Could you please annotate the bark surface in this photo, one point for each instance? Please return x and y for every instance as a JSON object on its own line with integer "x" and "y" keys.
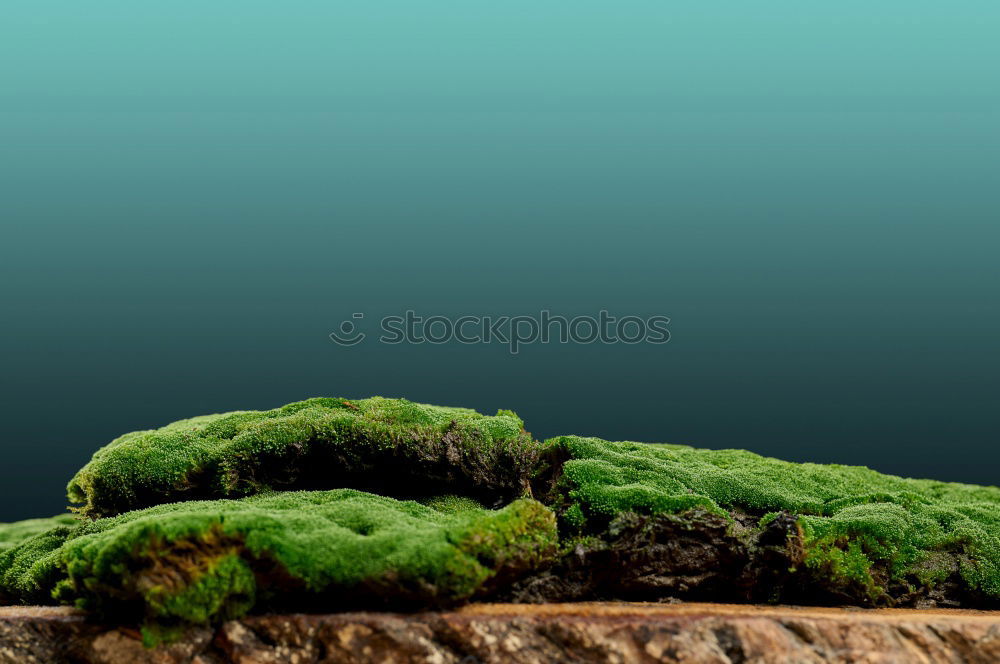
{"x": 580, "y": 632}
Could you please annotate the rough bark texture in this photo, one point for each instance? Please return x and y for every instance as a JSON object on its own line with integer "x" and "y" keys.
{"x": 583, "y": 632}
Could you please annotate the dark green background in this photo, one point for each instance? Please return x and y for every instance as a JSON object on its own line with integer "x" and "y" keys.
{"x": 193, "y": 195}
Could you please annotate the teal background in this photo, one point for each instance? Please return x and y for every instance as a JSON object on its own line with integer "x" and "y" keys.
{"x": 193, "y": 195}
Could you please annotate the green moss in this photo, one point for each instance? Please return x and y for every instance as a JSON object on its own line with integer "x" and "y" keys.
{"x": 847, "y": 565}
{"x": 389, "y": 446}
{"x": 198, "y": 562}
{"x": 451, "y": 504}
{"x": 574, "y": 518}
{"x": 859, "y": 527}
{"x": 27, "y": 564}
{"x": 863, "y": 534}
{"x": 13, "y": 533}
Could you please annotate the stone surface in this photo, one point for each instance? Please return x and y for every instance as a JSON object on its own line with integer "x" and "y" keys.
{"x": 582, "y": 632}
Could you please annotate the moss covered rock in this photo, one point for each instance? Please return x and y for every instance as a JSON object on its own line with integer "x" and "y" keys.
{"x": 388, "y": 446}
{"x": 867, "y": 536}
{"x": 198, "y": 562}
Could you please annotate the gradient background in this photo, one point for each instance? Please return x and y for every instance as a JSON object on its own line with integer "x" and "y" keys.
{"x": 193, "y": 195}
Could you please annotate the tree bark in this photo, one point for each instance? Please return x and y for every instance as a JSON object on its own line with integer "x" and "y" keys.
{"x": 545, "y": 633}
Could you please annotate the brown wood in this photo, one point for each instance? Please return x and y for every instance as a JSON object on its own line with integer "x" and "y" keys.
{"x": 583, "y": 632}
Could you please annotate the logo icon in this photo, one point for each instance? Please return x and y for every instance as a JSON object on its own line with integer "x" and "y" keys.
{"x": 349, "y": 335}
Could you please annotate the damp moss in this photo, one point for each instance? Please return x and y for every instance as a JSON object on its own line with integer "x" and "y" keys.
{"x": 858, "y": 528}
{"x": 388, "y": 446}
{"x": 27, "y": 573}
{"x": 14, "y": 533}
{"x": 199, "y": 562}
{"x": 451, "y": 504}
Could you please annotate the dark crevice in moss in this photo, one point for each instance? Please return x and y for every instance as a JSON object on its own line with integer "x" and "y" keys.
{"x": 424, "y": 465}
{"x": 546, "y": 477}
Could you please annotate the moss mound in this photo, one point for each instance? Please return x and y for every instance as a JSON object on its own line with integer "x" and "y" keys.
{"x": 198, "y": 562}
{"x": 873, "y": 537}
{"x": 635, "y": 521}
{"x": 388, "y": 446}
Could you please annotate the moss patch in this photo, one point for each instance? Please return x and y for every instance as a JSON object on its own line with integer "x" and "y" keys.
{"x": 388, "y": 446}
{"x": 14, "y": 533}
{"x": 203, "y": 561}
{"x": 26, "y": 571}
{"x": 635, "y": 520}
{"x": 859, "y": 530}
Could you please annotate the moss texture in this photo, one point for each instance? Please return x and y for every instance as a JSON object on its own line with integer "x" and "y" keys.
{"x": 635, "y": 520}
{"x": 198, "y": 562}
{"x": 388, "y": 446}
{"x": 857, "y": 528}
{"x": 14, "y": 533}
{"x": 25, "y": 574}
